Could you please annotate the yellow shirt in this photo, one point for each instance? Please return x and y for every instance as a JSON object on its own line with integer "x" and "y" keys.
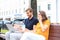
{"x": 39, "y": 30}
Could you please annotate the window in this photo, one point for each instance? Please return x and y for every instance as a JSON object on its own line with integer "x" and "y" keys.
{"x": 24, "y": 2}
{"x": 1, "y": 18}
{"x": 19, "y": 10}
{"x": 39, "y": 8}
{"x": 6, "y": 12}
{"x": 49, "y": 6}
{"x": 8, "y": 19}
{"x": 49, "y": 17}
{"x": 15, "y": 10}
{"x": 24, "y": 9}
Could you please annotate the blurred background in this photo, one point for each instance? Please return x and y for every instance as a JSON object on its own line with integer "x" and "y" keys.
{"x": 14, "y": 10}
{"x": 11, "y": 9}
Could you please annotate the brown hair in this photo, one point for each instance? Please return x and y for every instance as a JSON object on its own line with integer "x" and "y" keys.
{"x": 43, "y": 14}
{"x": 30, "y": 9}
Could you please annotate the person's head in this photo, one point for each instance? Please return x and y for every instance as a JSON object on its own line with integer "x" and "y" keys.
{"x": 42, "y": 15}
{"x": 29, "y": 12}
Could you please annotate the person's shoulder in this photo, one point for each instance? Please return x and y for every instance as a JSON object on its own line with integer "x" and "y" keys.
{"x": 35, "y": 18}
{"x": 26, "y": 19}
{"x": 47, "y": 21}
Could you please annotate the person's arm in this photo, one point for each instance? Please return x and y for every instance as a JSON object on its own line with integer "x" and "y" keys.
{"x": 26, "y": 30}
{"x": 34, "y": 26}
{"x": 44, "y": 26}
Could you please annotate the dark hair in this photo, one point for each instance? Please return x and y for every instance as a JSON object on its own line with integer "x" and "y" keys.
{"x": 30, "y": 9}
{"x": 43, "y": 14}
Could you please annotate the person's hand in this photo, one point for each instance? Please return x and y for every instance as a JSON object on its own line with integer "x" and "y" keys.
{"x": 18, "y": 27}
{"x": 39, "y": 17}
{"x": 21, "y": 30}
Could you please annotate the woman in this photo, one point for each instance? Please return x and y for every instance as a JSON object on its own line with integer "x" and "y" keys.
{"x": 42, "y": 28}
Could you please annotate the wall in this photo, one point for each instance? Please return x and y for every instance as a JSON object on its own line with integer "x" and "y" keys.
{"x": 51, "y": 13}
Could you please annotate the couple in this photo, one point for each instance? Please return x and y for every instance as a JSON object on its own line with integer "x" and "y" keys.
{"x": 34, "y": 29}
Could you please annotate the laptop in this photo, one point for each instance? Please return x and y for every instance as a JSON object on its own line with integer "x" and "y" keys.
{"x": 10, "y": 27}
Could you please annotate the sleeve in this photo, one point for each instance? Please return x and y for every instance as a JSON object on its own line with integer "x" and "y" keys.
{"x": 47, "y": 22}
{"x": 36, "y": 21}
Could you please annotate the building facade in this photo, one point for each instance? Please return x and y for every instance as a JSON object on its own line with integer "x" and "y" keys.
{"x": 9, "y": 9}
{"x": 49, "y": 6}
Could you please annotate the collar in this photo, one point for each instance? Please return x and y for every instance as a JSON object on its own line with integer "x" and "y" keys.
{"x": 31, "y": 18}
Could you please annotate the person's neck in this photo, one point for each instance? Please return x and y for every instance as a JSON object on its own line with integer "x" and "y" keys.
{"x": 31, "y": 17}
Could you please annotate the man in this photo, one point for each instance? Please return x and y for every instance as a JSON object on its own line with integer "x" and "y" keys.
{"x": 29, "y": 23}
{"x": 31, "y": 20}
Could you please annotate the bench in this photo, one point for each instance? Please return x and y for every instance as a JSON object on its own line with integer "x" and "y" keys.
{"x": 2, "y": 36}
{"x": 54, "y": 33}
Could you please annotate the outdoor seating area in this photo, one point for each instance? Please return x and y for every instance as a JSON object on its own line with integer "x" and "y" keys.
{"x": 54, "y": 33}
{"x": 29, "y": 20}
